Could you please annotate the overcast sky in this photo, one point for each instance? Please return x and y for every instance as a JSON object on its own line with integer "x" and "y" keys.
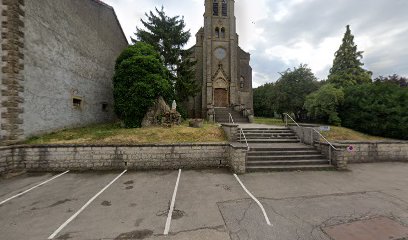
{"x": 281, "y": 34}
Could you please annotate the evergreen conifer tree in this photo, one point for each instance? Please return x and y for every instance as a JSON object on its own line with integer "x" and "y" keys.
{"x": 347, "y": 67}
{"x": 168, "y": 37}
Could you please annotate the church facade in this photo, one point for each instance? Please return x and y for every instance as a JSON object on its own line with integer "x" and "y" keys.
{"x": 222, "y": 68}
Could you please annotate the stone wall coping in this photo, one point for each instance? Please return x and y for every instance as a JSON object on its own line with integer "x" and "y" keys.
{"x": 121, "y": 145}
{"x": 229, "y": 124}
{"x": 372, "y": 142}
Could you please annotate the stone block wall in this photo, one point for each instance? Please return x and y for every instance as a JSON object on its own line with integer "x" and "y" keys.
{"x": 137, "y": 157}
{"x": 53, "y": 52}
{"x": 376, "y": 151}
{"x": 70, "y": 52}
{"x": 366, "y": 152}
{"x": 12, "y": 67}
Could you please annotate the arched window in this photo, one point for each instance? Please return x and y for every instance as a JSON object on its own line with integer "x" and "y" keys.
{"x": 224, "y": 8}
{"x": 222, "y": 32}
{"x": 217, "y": 32}
{"x": 241, "y": 82}
{"x": 215, "y": 8}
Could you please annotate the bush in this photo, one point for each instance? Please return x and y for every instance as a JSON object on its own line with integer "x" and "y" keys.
{"x": 140, "y": 78}
{"x": 379, "y": 109}
{"x": 323, "y": 104}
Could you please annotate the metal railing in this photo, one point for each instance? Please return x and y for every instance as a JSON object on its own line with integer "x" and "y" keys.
{"x": 241, "y": 132}
{"x": 312, "y": 140}
{"x": 231, "y": 119}
{"x": 286, "y": 120}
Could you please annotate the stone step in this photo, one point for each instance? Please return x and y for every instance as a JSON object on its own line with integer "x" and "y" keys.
{"x": 276, "y": 149}
{"x": 268, "y": 138}
{"x": 283, "y": 140}
{"x": 266, "y": 129}
{"x": 289, "y": 162}
{"x": 285, "y": 157}
{"x": 319, "y": 167}
{"x": 280, "y": 152}
{"x": 269, "y": 134}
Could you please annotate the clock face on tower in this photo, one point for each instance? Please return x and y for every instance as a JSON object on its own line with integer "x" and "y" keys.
{"x": 220, "y": 53}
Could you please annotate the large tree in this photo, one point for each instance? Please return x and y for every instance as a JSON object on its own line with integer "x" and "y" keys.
{"x": 347, "y": 67}
{"x": 323, "y": 104}
{"x": 140, "y": 78}
{"x": 168, "y": 37}
{"x": 292, "y": 88}
{"x": 393, "y": 79}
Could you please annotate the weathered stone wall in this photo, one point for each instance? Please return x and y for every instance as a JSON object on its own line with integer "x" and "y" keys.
{"x": 366, "y": 152}
{"x": 376, "y": 151}
{"x": 12, "y": 59}
{"x": 70, "y": 51}
{"x": 137, "y": 157}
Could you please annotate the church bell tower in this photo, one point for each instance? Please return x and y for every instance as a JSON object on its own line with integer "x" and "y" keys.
{"x": 220, "y": 46}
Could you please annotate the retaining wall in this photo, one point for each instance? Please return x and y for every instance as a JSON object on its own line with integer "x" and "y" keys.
{"x": 135, "y": 157}
{"x": 361, "y": 152}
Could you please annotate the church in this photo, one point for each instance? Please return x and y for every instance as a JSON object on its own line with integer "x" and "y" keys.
{"x": 222, "y": 67}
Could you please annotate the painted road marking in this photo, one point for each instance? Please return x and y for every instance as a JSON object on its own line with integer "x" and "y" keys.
{"x": 173, "y": 200}
{"x": 52, "y": 236}
{"x": 256, "y": 200}
{"x": 36, "y": 186}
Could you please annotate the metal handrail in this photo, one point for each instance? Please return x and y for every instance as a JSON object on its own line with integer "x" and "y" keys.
{"x": 230, "y": 118}
{"x": 246, "y": 141}
{"x": 325, "y": 139}
{"x": 331, "y": 145}
{"x": 286, "y": 120}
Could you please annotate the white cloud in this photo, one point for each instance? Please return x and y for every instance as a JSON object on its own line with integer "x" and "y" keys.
{"x": 281, "y": 34}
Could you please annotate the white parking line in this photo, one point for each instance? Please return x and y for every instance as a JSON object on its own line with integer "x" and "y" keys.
{"x": 173, "y": 200}
{"x": 52, "y": 236}
{"x": 256, "y": 200}
{"x": 36, "y": 186}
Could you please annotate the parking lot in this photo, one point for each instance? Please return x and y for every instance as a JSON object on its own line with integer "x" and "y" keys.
{"x": 205, "y": 204}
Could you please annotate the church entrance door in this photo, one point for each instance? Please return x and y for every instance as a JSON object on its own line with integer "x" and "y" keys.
{"x": 220, "y": 97}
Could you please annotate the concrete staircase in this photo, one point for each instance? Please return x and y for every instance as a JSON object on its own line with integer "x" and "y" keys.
{"x": 279, "y": 149}
{"x": 222, "y": 115}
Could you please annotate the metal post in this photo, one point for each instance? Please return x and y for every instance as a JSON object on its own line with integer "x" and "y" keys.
{"x": 330, "y": 155}
{"x": 286, "y": 120}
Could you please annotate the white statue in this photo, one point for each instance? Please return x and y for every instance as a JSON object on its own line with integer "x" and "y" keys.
{"x": 174, "y": 105}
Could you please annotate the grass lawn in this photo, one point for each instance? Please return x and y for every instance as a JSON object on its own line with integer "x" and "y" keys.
{"x": 270, "y": 121}
{"x": 341, "y": 133}
{"x": 114, "y": 134}
{"x": 335, "y": 133}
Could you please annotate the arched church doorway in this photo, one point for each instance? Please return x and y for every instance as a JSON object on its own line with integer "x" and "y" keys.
{"x": 221, "y": 92}
{"x": 220, "y": 97}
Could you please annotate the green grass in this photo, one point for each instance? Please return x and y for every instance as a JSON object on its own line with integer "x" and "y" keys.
{"x": 269, "y": 121}
{"x": 335, "y": 133}
{"x": 114, "y": 134}
{"x": 342, "y": 133}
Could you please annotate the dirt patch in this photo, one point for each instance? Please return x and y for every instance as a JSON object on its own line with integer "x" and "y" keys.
{"x": 138, "y": 222}
{"x": 66, "y": 236}
{"x": 106, "y": 203}
{"x": 177, "y": 214}
{"x": 225, "y": 187}
{"x": 129, "y": 182}
{"x": 60, "y": 202}
{"x": 133, "y": 205}
{"x": 141, "y": 234}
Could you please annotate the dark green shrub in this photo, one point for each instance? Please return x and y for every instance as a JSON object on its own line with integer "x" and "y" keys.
{"x": 378, "y": 109}
{"x": 140, "y": 78}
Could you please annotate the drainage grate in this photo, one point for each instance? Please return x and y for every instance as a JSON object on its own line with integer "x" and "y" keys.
{"x": 380, "y": 228}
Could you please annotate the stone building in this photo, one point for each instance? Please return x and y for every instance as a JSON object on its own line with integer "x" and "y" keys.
{"x": 57, "y": 63}
{"x": 222, "y": 69}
